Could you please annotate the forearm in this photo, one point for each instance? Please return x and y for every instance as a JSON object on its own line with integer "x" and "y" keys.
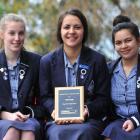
{"x": 98, "y": 108}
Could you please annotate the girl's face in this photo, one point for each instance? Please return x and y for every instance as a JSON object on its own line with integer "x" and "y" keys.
{"x": 126, "y": 44}
{"x": 72, "y": 31}
{"x": 13, "y": 36}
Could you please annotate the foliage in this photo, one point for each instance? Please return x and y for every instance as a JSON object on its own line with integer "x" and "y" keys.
{"x": 42, "y": 16}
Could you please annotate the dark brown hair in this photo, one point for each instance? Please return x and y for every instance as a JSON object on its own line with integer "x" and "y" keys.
{"x": 75, "y": 12}
{"x": 123, "y": 22}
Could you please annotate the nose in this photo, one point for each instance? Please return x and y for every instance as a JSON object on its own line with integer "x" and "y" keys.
{"x": 123, "y": 45}
{"x": 17, "y": 37}
{"x": 71, "y": 30}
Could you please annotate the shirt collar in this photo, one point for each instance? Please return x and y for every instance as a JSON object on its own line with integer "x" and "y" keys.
{"x": 67, "y": 62}
{"x": 11, "y": 67}
{"x": 119, "y": 69}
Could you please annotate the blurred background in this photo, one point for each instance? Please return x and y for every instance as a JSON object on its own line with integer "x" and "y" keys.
{"x": 42, "y": 16}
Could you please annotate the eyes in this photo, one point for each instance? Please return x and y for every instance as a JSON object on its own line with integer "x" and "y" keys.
{"x": 126, "y": 41}
{"x": 13, "y": 33}
{"x": 75, "y": 27}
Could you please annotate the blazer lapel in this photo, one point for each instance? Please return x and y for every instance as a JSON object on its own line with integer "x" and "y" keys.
{"x": 23, "y": 68}
{"x": 4, "y": 71}
{"x": 83, "y": 68}
{"x": 138, "y": 84}
{"x": 59, "y": 68}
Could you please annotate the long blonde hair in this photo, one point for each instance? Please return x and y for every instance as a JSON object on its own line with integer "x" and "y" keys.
{"x": 8, "y": 18}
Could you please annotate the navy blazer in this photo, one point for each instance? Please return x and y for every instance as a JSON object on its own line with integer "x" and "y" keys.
{"x": 95, "y": 81}
{"x": 112, "y": 65}
{"x": 28, "y": 87}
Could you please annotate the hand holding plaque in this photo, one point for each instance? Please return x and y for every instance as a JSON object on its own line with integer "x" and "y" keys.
{"x": 69, "y": 103}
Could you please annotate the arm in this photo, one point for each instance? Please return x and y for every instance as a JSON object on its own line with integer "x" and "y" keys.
{"x": 131, "y": 123}
{"x": 46, "y": 91}
{"x": 135, "y": 119}
{"x": 99, "y": 104}
{"x": 16, "y": 116}
{"x": 31, "y": 101}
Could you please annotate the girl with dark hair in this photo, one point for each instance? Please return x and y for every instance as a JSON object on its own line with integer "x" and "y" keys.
{"x": 125, "y": 82}
{"x": 72, "y": 65}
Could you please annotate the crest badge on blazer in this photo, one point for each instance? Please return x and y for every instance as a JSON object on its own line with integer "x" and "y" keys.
{"x": 22, "y": 71}
{"x": 4, "y": 73}
{"x": 83, "y": 70}
{"x": 138, "y": 82}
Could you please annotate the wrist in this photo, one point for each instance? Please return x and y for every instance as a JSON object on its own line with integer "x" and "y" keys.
{"x": 86, "y": 110}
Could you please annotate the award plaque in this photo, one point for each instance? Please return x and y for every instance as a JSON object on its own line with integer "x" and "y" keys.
{"x": 69, "y": 103}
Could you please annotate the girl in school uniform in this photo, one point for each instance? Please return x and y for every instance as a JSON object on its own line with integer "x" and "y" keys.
{"x": 74, "y": 64}
{"x": 125, "y": 82}
{"x": 19, "y": 74}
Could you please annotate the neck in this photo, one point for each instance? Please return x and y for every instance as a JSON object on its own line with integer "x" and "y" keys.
{"x": 72, "y": 53}
{"x": 129, "y": 64}
{"x": 12, "y": 57}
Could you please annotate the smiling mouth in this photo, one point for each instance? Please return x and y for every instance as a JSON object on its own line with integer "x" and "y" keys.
{"x": 127, "y": 52}
{"x": 16, "y": 43}
{"x": 72, "y": 38}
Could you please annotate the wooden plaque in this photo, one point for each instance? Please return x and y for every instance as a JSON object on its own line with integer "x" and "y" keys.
{"x": 69, "y": 103}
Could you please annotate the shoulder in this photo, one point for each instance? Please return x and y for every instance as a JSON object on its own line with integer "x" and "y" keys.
{"x": 112, "y": 64}
{"x": 51, "y": 55}
{"x": 30, "y": 58}
{"x": 32, "y": 55}
{"x": 93, "y": 54}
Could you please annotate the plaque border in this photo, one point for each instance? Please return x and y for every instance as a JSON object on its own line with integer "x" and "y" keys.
{"x": 81, "y": 89}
